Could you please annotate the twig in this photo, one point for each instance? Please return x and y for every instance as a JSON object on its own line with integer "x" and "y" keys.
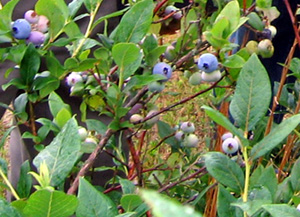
{"x": 90, "y": 161}
{"x": 179, "y": 102}
{"x": 201, "y": 171}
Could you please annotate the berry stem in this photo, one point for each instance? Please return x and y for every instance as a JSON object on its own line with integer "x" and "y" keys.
{"x": 247, "y": 176}
{"x": 88, "y": 30}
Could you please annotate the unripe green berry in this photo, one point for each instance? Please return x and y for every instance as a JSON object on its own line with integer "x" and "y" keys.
{"x": 195, "y": 78}
{"x": 265, "y": 48}
{"x": 191, "y": 141}
{"x": 251, "y": 47}
{"x": 211, "y": 77}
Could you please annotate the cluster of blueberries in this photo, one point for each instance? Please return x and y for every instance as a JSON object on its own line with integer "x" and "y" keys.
{"x": 31, "y": 28}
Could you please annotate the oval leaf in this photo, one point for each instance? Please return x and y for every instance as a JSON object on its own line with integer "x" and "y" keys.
{"x": 62, "y": 153}
{"x": 225, "y": 171}
{"x": 93, "y": 203}
{"x": 278, "y": 134}
{"x": 46, "y": 203}
{"x": 252, "y": 96}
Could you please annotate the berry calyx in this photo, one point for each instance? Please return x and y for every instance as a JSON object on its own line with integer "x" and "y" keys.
{"x": 230, "y": 146}
{"x": 164, "y": 69}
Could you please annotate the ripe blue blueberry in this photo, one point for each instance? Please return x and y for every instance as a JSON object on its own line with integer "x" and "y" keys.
{"x": 21, "y": 29}
{"x": 164, "y": 69}
{"x": 208, "y": 62}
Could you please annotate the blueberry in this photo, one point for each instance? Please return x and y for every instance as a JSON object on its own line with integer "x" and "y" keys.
{"x": 21, "y": 29}
{"x": 226, "y": 136}
{"x": 208, "y": 62}
{"x": 135, "y": 118}
{"x": 156, "y": 86}
{"x": 195, "y": 78}
{"x": 170, "y": 9}
{"x": 230, "y": 145}
{"x": 37, "y": 38}
{"x": 211, "y": 77}
{"x": 191, "y": 141}
{"x": 31, "y": 16}
{"x": 273, "y": 30}
{"x": 170, "y": 54}
{"x": 73, "y": 78}
{"x": 251, "y": 46}
{"x": 164, "y": 69}
{"x": 43, "y": 24}
{"x": 179, "y": 136}
{"x": 82, "y": 133}
{"x": 265, "y": 48}
{"x": 187, "y": 127}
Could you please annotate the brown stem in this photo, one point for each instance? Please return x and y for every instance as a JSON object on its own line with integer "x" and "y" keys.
{"x": 136, "y": 161}
{"x": 158, "y": 6}
{"x": 280, "y": 88}
{"x": 90, "y": 161}
{"x": 180, "y": 102}
{"x": 294, "y": 21}
{"x": 201, "y": 171}
{"x": 32, "y": 119}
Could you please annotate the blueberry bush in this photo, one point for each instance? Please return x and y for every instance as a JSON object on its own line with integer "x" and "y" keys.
{"x": 249, "y": 167}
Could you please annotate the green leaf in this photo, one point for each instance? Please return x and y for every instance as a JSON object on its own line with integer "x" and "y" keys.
{"x": 44, "y": 203}
{"x": 6, "y": 210}
{"x": 5, "y": 136}
{"x": 234, "y": 61}
{"x": 96, "y": 125}
{"x": 279, "y": 210}
{"x": 30, "y": 65}
{"x": 56, "y": 104}
{"x": 56, "y": 11}
{"x": 128, "y": 57}
{"x": 163, "y": 206}
{"x": 266, "y": 177}
{"x": 20, "y": 104}
{"x": 165, "y": 130}
{"x": 93, "y": 203}
{"x": 25, "y": 181}
{"x": 135, "y": 23}
{"x": 127, "y": 186}
{"x": 231, "y": 12}
{"x": 295, "y": 176}
{"x": 54, "y": 66}
{"x": 62, "y": 117}
{"x": 252, "y": 96}
{"x": 220, "y": 119}
{"x": 284, "y": 191}
{"x": 255, "y": 21}
{"x": 6, "y": 16}
{"x": 130, "y": 202}
{"x": 264, "y": 3}
{"x": 62, "y": 153}
{"x": 225, "y": 171}
{"x": 225, "y": 198}
{"x": 279, "y": 133}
